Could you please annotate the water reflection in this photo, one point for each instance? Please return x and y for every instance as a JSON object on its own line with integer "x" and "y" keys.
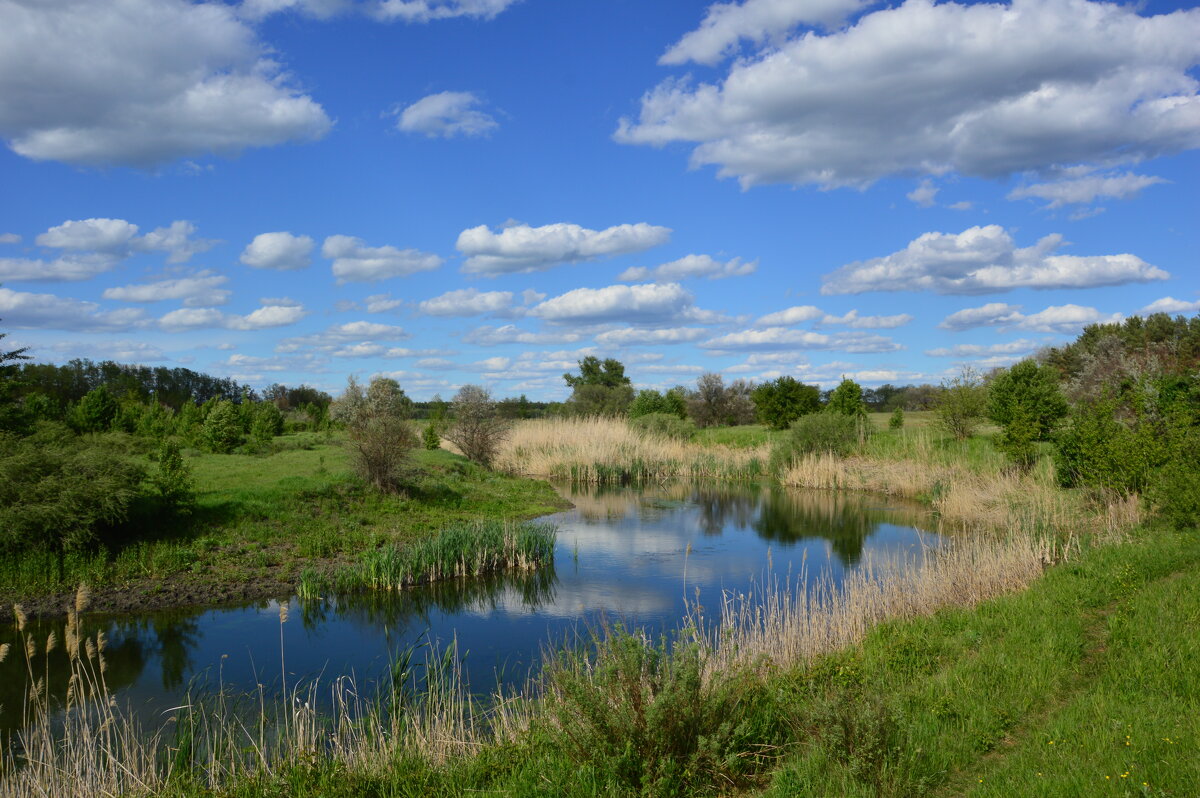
{"x": 634, "y": 555}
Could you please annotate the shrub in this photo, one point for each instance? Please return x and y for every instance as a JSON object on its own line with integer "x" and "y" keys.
{"x": 381, "y": 447}
{"x": 221, "y": 432}
{"x": 96, "y": 411}
{"x": 477, "y": 431}
{"x": 647, "y": 402}
{"x": 847, "y": 399}
{"x": 714, "y": 403}
{"x": 1027, "y": 393}
{"x": 782, "y": 401}
{"x": 1018, "y": 439}
{"x": 174, "y": 479}
{"x": 430, "y": 438}
{"x": 962, "y": 404}
{"x": 665, "y": 425}
{"x": 267, "y": 422}
{"x": 896, "y": 421}
{"x": 833, "y": 433}
{"x": 62, "y": 493}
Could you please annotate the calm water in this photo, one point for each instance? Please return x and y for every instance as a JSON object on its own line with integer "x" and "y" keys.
{"x": 629, "y": 555}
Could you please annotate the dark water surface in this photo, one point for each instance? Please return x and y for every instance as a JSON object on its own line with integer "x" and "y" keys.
{"x": 628, "y": 555}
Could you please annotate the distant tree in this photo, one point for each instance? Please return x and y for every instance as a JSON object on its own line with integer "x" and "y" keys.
{"x": 676, "y": 401}
{"x": 515, "y": 408}
{"x": 222, "y": 429}
{"x": 648, "y": 401}
{"x": 714, "y": 404}
{"x": 96, "y": 411}
{"x": 962, "y": 404}
{"x": 10, "y": 415}
{"x": 267, "y": 423}
{"x": 780, "y": 402}
{"x": 896, "y": 421}
{"x": 847, "y": 399}
{"x": 377, "y": 422}
{"x": 477, "y": 431}
{"x": 600, "y": 388}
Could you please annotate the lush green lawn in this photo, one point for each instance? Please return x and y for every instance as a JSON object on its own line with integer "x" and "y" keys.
{"x": 264, "y": 518}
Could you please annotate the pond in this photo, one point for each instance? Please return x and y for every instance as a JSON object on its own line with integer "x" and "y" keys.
{"x": 634, "y": 556}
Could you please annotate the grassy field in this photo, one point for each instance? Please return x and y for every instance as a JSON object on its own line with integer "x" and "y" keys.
{"x": 260, "y": 519}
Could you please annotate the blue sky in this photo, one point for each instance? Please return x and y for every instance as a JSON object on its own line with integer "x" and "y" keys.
{"x": 485, "y": 191}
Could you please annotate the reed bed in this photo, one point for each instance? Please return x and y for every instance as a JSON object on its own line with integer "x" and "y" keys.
{"x": 609, "y": 451}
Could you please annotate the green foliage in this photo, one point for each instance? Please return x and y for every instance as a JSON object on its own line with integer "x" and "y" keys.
{"x": 430, "y": 438}
{"x": 11, "y": 417}
{"x": 96, "y": 411}
{"x": 376, "y": 420}
{"x": 1018, "y": 439}
{"x": 666, "y": 425}
{"x": 173, "y": 480}
{"x": 896, "y": 420}
{"x": 267, "y": 422}
{"x": 818, "y": 433}
{"x": 782, "y": 401}
{"x": 847, "y": 400}
{"x": 962, "y": 404}
{"x": 609, "y": 374}
{"x": 1030, "y": 393}
{"x": 600, "y": 389}
{"x": 59, "y": 492}
{"x": 714, "y": 403}
{"x": 647, "y": 402}
{"x": 221, "y": 432}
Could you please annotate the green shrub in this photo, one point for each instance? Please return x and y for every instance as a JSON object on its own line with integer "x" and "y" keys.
{"x": 221, "y": 432}
{"x": 96, "y": 411}
{"x": 1028, "y": 394}
{"x": 666, "y": 425}
{"x": 962, "y": 404}
{"x": 1097, "y": 449}
{"x": 896, "y": 421}
{"x": 430, "y": 437}
{"x": 782, "y": 401}
{"x": 847, "y": 399}
{"x": 267, "y": 422}
{"x": 174, "y": 479}
{"x": 62, "y": 493}
{"x": 1174, "y": 491}
{"x": 834, "y": 433}
{"x": 1018, "y": 439}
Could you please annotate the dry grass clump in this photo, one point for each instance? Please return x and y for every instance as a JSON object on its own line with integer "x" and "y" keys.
{"x": 607, "y": 450}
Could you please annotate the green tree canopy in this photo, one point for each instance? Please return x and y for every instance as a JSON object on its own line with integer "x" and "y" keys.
{"x": 1027, "y": 394}
{"x": 600, "y": 388}
{"x": 847, "y": 399}
{"x": 780, "y": 402}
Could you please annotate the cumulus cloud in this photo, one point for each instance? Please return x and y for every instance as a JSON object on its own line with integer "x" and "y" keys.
{"x": 784, "y": 339}
{"x": 9, "y": 238}
{"x": 925, "y": 194}
{"x": 122, "y": 351}
{"x": 519, "y": 248}
{"x": 350, "y": 339}
{"x": 278, "y": 251}
{"x": 202, "y": 290}
{"x": 983, "y": 260}
{"x": 852, "y": 318}
{"x": 638, "y": 337}
{"x": 267, "y": 316}
{"x": 467, "y": 302}
{"x": 654, "y": 304}
{"x": 175, "y": 240}
{"x": 354, "y": 261}
{"x": 1086, "y": 189}
{"x": 690, "y": 266}
{"x": 726, "y": 24}
{"x": 116, "y": 239}
{"x": 445, "y": 115}
{"x": 511, "y": 334}
{"x": 142, "y": 82}
{"x": 415, "y": 11}
{"x": 985, "y": 90}
{"x": 69, "y": 268}
{"x": 1022, "y": 346}
{"x": 382, "y": 303}
{"x": 1170, "y": 304}
{"x": 47, "y": 311}
{"x": 1062, "y": 319}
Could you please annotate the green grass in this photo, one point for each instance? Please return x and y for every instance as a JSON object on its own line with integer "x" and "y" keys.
{"x": 747, "y": 436}
{"x": 1087, "y": 684}
{"x": 264, "y": 518}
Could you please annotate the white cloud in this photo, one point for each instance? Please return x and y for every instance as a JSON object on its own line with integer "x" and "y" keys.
{"x": 984, "y": 90}
{"x": 176, "y": 240}
{"x": 521, "y": 248}
{"x": 278, "y": 251}
{"x": 802, "y": 313}
{"x": 429, "y": 10}
{"x": 446, "y": 115}
{"x": 467, "y": 302}
{"x": 925, "y": 194}
{"x": 651, "y": 304}
{"x": 202, "y": 290}
{"x": 382, "y": 303}
{"x": 352, "y": 339}
{"x": 122, "y": 351}
{"x": 794, "y": 315}
{"x": 690, "y": 266}
{"x": 267, "y": 316}
{"x": 47, "y": 311}
{"x": 69, "y": 268}
{"x": 511, "y": 334}
{"x": 784, "y": 339}
{"x": 354, "y": 261}
{"x": 672, "y": 369}
{"x": 1063, "y": 319}
{"x": 638, "y": 337}
{"x": 436, "y": 364}
{"x": 9, "y": 238}
{"x": 725, "y": 24}
{"x": 1086, "y": 189}
{"x": 142, "y": 82}
{"x": 1019, "y": 347}
{"x": 1169, "y": 304}
{"x": 983, "y": 260}
{"x": 365, "y": 330}
{"x": 108, "y": 236}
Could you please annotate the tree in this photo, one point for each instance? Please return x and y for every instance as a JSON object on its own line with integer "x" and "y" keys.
{"x": 847, "y": 399}
{"x": 713, "y": 403}
{"x": 376, "y": 420}
{"x": 962, "y": 404}
{"x": 222, "y": 429}
{"x": 477, "y": 431}
{"x": 96, "y": 411}
{"x": 1027, "y": 394}
{"x": 600, "y": 388}
{"x": 9, "y": 415}
{"x": 780, "y": 402}
{"x": 648, "y": 401}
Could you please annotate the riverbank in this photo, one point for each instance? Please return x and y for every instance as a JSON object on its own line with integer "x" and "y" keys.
{"x": 260, "y": 520}
{"x": 1084, "y": 680}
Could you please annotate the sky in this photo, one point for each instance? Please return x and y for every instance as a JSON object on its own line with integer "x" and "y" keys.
{"x": 485, "y": 191}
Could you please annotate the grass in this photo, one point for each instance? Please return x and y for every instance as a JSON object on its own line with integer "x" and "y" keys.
{"x": 261, "y": 519}
{"x": 1085, "y": 683}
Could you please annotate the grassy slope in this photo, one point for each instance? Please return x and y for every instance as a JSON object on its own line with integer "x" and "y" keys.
{"x": 261, "y": 519}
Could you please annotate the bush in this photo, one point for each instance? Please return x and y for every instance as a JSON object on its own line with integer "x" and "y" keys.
{"x": 96, "y": 411}
{"x": 832, "y": 433}
{"x": 430, "y": 438}
{"x": 477, "y": 431}
{"x": 381, "y": 448}
{"x": 221, "y": 432}
{"x": 62, "y": 493}
{"x": 714, "y": 403}
{"x": 267, "y": 422}
{"x": 782, "y": 401}
{"x": 174, "y": 479}
{"x": 961, "y": 407}
{"x": 666, "y": 425}
{"x": 1018, "y": 440}
{"x": 896, "y": 421}
{"x": 1028, "y": 394}
{"x": 847, "y": 399}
